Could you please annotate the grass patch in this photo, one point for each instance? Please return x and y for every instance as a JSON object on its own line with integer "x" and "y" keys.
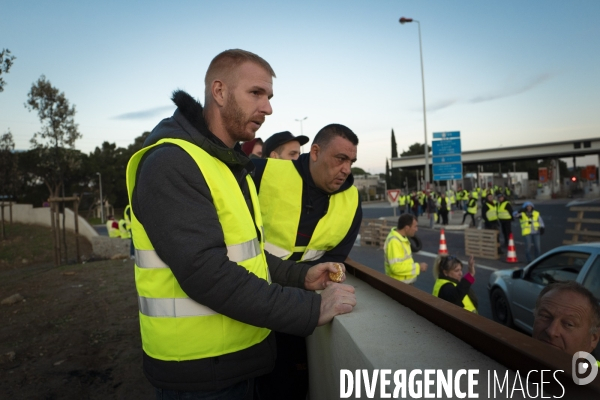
{"x": 32, "y": 244}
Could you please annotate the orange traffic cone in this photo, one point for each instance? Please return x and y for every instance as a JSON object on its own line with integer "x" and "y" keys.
{"x": 511, "y": 256}
{"x": 443, "y": 248}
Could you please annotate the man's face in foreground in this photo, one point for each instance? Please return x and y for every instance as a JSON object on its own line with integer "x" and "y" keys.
{"x": 563, "y": 320}
{"x": 248, "y": 101}
{"x": 332, "y": 164}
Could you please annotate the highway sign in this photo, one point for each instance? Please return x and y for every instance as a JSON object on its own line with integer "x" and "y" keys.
{"x": 446, "y": 135}
{"x": 447, "y": 159}
{"x": 446, "y": 147}
{"x": 444, "y": 172}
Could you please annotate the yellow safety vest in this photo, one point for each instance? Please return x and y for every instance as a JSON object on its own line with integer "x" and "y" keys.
{"x": 127, "y": 219}
{"x": 472, "y": 206}
{"x": 173, "y": 326}
{"x": 280, "y": 200}
{"x": 398, "y": 261}
{"x": 466, "y": 301}
{"x": 401, "y": 201}
{"x": 450, "y": 197}
{"x": 526, "y": 222}
{"x": 502, "y": 212}
{"x": 112, "y": 232}
{"x": 492, "y": 212}
{"x": 123, "y": 229}
{"x": 475, "y": 194}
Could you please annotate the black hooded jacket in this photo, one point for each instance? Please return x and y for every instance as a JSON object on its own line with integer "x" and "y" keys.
{"x": 315, "y": 203}
{"x": 173, "y": 202}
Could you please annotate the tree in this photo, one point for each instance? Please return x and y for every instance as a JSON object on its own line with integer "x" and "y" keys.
{"x": 8, "y": 165}
{"x": 59, "y": 130}
{"x": 6, "y": 61}
{"x": 394, "y": 146}
{"x": 416, "y": 149}
{"x": 395, "y": 180}
{"x": 358, "y": 171}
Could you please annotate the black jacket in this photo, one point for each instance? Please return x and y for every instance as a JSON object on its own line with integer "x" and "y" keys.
{"x": 456, "y": 294}
{"x": 172, "y": 200}
{"x": 315, "y": 205}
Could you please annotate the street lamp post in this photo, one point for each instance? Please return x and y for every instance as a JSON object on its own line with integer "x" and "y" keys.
{"x": 300, "y": 120}
{"x": 403, "y": 21}
{"x": 101, "y": 202}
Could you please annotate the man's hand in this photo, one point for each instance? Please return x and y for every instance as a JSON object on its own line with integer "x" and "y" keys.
{"x": 336, "y": 299}
{"x": 318, "y": 275}
{"x": 423, "y": 267}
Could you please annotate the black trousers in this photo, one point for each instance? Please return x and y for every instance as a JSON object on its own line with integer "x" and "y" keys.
{"x": 505, "y": 224}
{"x": 444, "y": 215}
{"x": 289, "y": 378}
{"x": 472, "y": 218}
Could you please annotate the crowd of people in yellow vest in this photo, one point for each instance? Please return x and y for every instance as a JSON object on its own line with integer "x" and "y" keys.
{"x": 496, "y": 213}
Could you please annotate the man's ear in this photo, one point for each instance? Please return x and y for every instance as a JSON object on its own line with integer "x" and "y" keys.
{"x": 595, "y": 337}
{"x": 274, "y": 154}
{"x": 315, "y": 150}
{"x": 219, "y": 92}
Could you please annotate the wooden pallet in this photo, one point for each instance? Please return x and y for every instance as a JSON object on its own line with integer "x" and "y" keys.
{"x": 482, "y": 243}
{"x": 586, "y": 230}
{"x": 373, "y": 232}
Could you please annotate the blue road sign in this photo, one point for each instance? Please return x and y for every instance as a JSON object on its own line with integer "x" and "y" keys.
{"x": 447, "y": 177}
{"x": 446, "y": 135}
{"x": 450, "y": 168}
{"x": 447, "y": 159}
{"x": 446, "y": 147}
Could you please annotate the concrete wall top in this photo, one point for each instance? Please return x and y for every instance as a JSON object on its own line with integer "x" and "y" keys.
{"x": 27, "y": 214}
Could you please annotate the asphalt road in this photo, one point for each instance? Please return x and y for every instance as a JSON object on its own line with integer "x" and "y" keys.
{"x": 553, "y": 212}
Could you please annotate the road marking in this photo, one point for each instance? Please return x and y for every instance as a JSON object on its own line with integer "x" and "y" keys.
{"x": 433, "y": 255}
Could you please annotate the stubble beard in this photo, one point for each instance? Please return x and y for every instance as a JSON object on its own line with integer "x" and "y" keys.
{"x": 234, "y": 121}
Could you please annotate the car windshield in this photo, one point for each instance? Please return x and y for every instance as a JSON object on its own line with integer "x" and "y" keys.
{"x": 559, "y": 267}
{"x": 592, "y": 280}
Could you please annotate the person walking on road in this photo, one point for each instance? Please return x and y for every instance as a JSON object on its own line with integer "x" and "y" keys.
{"x": 398, "y": 261}
{"x": 432, "y": 210}
{"x": 443, "y": 205}
{"x": 532, "y": 227}
{"x": 489, "y": 213}
{"x": 471, "y": 210}
{"x": 505, "y": 217}
{"x": 451, "y": 285}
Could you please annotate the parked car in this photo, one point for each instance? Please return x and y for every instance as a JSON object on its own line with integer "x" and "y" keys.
{"x": 513, "y": 293}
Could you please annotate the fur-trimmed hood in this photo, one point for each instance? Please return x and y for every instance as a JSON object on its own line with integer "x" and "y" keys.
{"x": 188, "y": 123}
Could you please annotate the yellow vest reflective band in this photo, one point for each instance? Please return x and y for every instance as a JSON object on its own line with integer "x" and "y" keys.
{"x": 173, "y": 326}
{"x": 123, "y": 229}
{"x": 502, "y": 212}
{"x": 280, "y": 200}
{"x": 491, "y": 213}
{"x": 472, "y": 206}
{"x": 112, "y": 232}
{"x": 526, "y": 222}
{"x": 398, "y": 261}
{"x": 466, "y": 301}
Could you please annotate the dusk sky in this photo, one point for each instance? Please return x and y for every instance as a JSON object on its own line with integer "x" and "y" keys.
{"x": 502, "y": 73}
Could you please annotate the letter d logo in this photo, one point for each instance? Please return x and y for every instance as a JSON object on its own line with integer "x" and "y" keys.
{"x": 581, "y": 363}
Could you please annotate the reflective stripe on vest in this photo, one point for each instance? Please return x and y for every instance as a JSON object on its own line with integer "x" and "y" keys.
{"x": 502, "y": 212}
{"x": 466, "y": 301}
{"x": 174, "y": 327}
{"x": 281, "y": 206}
{"x": 526, "y": 222}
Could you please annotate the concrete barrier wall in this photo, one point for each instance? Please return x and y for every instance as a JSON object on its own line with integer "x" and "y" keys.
{"x": 27, "y": 214}
{"x": 106, "y": 247}
{"x": 383, "y": 334}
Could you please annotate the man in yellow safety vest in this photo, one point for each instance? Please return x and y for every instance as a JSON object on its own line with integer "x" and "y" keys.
{"x": 209, "y": 295}
{"x": 398, "y": 261}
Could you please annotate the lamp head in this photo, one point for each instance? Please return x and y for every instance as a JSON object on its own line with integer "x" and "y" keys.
{"x": 404, "y": 20}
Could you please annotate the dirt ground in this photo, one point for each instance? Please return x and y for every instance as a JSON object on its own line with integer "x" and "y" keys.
{"x": 74, "y": 334}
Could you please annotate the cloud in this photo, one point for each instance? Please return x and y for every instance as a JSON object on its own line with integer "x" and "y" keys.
{"x": 144, "y": 114}
{"x": 536, "y": 81}
{"x": 441, "y": 104}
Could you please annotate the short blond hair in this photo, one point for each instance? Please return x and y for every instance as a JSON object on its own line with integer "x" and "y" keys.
{"x": 225, "y": 63}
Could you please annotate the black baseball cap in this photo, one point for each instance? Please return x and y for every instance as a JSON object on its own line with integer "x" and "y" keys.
{"x": 279, "y": 139}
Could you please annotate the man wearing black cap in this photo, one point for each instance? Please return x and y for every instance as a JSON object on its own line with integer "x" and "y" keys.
{"x": 311, "y": 214}
{"x": 284, "y": 146}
